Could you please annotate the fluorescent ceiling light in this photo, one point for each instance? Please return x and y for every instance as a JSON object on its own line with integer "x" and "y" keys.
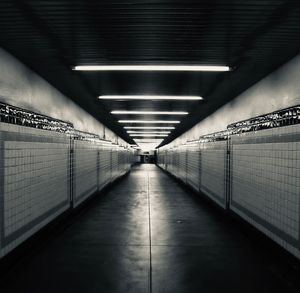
{"x": 150, "y": 143}
{"x": 150, "y": 132}
{"x": 152, "y": 68}
{"x": 149, "y": 135}
{"x": 150, "y": 121}
{"x": 150, "y": 97}
{"x": 147, "y": 140}
{"x": 149, "y": 112}
{"x": 149, "y": 127}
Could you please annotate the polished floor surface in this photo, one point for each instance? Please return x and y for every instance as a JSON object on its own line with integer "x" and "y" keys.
{"x": 148, "y": 234}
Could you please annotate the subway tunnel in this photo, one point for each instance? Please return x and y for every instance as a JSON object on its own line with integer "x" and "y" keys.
{"x": 149, "y": 146}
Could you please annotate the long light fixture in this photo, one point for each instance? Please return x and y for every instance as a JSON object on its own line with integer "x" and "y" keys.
{"x": 150, "y": 121}
{"x": 149, "y": 135}
{"x": 219, "y": 68}
{"x": 149, "y": 127}
{"x": 121, "y": 112}
{"x": 147, "y": 140}
{"x": 150, "y": 97}
{"x": 149, "y": 132}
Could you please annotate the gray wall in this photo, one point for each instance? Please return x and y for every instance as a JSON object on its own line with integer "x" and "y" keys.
{"x": 281, "y": 89}
{"x": 19, "y": 86}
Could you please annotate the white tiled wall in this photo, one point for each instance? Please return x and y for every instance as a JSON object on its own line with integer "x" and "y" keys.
{"x": 201, "y": 165}
{"x": 166, "y": 164}
{"x": 164, "y": 154}
{"x": 105, "y": 165}
{"x": 34, "y": 181}
{"x": 159, "y": 158}
{"x": 193, "y": 165}
{"x": 182, "y": 163}
{"x": 35, "y": 177}
{"x": 173, "y": 161}
{"x": 122, "y": 161}
{"x": 85, "y": 169}
{"x": 213, "y": 170}
{"x": 114, "y": 162}
{"x": 168, "y": 160}
{"x": 266, "y": 182}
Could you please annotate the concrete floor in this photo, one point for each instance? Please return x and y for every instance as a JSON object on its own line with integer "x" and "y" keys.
{"x": 148, "y": 234}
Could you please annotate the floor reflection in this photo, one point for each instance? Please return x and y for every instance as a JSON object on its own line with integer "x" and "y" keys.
{"x": 145, "y": 231}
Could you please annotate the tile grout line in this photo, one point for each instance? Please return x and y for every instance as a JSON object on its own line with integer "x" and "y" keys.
{"x": 150, "y": 241}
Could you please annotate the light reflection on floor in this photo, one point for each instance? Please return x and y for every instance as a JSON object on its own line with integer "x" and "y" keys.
{"x": 148, "y": 234}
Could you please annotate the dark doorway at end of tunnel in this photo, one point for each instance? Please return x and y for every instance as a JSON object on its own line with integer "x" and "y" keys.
{"x": 148, "y": 157}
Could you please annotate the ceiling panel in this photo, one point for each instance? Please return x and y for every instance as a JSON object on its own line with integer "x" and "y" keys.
{"x": 253, "y": 37}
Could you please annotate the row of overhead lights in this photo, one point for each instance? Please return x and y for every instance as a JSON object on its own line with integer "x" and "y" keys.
{"x": 149, "y": 133}
{"x": 153, "y": 131}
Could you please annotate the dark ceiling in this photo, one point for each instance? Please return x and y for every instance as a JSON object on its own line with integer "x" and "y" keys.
{"x": 253, "y": 37}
